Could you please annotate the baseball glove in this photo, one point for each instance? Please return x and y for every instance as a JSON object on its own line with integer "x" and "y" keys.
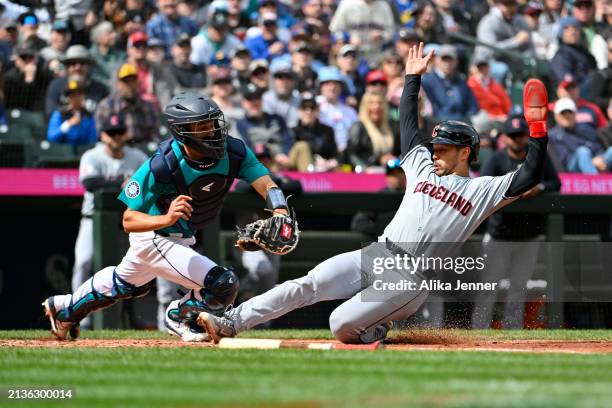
{"x": 278, "y": 234}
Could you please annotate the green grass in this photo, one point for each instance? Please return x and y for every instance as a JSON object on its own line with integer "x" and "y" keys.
{"x": 195, "y": 377}
{"x": 587, "y": 335}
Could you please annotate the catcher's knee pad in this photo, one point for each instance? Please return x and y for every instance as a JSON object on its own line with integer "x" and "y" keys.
{"x": 220, "y": 288}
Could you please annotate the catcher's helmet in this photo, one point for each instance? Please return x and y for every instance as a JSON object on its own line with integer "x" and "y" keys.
{"x": 197, "y": 122}
{"x": 457, "y": 133}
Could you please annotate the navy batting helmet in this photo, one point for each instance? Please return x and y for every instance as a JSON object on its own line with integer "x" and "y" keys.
{"x": 457, "y": 133}
{"x": 198, "y": 123}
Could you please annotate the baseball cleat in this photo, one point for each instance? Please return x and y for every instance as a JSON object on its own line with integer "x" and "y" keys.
{"x": 216, "y": 326}
{"x": 59, "y": 329}
{"x": 189, "y": 331}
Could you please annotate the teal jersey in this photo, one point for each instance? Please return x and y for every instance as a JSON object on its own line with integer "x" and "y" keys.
{"x": 207, "y": 187}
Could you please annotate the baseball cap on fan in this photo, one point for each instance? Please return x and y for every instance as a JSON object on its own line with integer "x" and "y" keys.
{"x": 114, "y": 125}
{"x": 563, "y": 105}
{"x": 516, "y": 126}
{"x": 137, "y": 38}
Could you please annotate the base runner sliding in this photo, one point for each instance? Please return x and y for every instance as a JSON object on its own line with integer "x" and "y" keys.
{"x": 441, "y": 205}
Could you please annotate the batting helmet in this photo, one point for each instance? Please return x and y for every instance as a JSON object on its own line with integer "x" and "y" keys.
{"x": 457, "y": 133}
{"x": 197, "y": 122}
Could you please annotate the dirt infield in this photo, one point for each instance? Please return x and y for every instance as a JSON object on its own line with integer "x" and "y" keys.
{"x": 399, "y": 341}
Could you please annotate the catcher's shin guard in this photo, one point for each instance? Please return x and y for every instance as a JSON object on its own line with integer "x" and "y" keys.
{"x": 95, "y": 300}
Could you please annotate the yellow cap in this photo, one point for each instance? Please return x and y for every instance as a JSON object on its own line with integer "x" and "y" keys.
{"x": 127, "y": 70}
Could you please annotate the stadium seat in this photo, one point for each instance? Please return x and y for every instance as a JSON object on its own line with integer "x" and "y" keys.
{"x": 15, "y": 151}
{"x": 55, "y": 155}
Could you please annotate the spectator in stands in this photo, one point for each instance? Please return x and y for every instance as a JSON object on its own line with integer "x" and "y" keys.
{"x": 348, "y": 62}
{"x": 453, "y": 18}
{"x": 55, "y": 52}
{"x": 28, "y": 31}
{"x": 167, "y": 24}
{"x": 393, "y": 68}
{"x": 447, "y": 90}
{"x": 141, "y": 117}
{"x": 282, "y": 99}
{"x": 260, "y": 74}
{"x": 25, "y": 84}
{"x": 584, "y": 12}
{"x": 601, "y": 84}
{"x": 214, "y": 37}
{"x": 106, "y": 56}
{"x": 587, "y": 113}
{"x": 266, "y": 45}
{"x": 239, "y": 64}
{"x": 320, "y": 137}
{"x": 542, "y": 43}
{"x": 156, "y": 51}
{"x": 238, "y": 20}
{"x": 577, "y": 146}
{"x": 301, "y": 64}
{"x": 194, "y": 10}
{"x": 516, "y": 262}
{"x": 504, "y": 28}
{"x": 605, "y": 134}
{"x": 222, "y": 92}
{"x": 335, "y": 113}
{"x": 549, "y": 20}
{"x": 258, "y": 127}
{"x": 188, "y": 76}
{"x": 376, "y": 81}
{"x": 8, "y": 41}
{"x": 490, "y": 96}
{"x": 134, "y": 23}
{"x": 108, "y": 165}
{"x": 370, "y": 140}
{"x": 406, "y": 39}
{"x": 426, "y": 24}
{"x": 78, "y": 64}
{"x": 155, "y": 85}
{"x": 73, "y": 125}
{"x": 370, "y": 23}
{"x": 572, "y": 57}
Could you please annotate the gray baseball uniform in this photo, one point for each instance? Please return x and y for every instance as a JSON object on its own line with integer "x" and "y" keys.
{"x": 434, "y": 210}
{"x": 96, "y": 163}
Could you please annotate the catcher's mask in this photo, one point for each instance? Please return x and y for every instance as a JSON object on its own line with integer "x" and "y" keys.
{"x": 197, "y": 122}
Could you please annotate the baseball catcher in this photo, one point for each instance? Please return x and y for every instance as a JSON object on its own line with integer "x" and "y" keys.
{"x": 441, "y": 204}
{"x": 176, "y": 192}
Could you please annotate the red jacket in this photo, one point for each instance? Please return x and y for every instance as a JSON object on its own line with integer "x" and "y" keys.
{"x": 493, "y": 99}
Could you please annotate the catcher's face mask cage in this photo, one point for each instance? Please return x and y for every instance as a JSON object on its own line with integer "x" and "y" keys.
{"x": 206, "y": 136}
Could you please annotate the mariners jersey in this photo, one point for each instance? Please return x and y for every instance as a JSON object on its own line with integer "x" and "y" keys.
{"x": 441, "y": 209}
{"x": 144, "y": 193}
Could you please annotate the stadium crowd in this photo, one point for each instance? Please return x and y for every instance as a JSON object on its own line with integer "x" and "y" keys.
{"x": 317, "y": 82}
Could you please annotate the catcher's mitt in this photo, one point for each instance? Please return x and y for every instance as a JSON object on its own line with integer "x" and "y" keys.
{"x": 278, "y": 234}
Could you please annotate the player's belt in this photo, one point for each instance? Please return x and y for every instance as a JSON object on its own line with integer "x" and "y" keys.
{"x": 172, "y": 234}
{"x": 397, "y": 250}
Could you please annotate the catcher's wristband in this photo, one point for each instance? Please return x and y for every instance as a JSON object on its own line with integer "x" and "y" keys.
{"x": 538, "y": 129}
{"x": 275, "y": 199}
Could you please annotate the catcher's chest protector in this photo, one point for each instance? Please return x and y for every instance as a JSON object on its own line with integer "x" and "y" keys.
{"x": 207, "y": 191}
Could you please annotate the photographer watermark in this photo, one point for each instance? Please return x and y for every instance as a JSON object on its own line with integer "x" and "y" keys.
{"x": 489, "y": 271}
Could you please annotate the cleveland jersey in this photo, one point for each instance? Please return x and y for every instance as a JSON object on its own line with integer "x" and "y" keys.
{"x": 442, "y": 209}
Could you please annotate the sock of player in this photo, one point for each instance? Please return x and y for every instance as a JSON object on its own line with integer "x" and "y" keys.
{"x": 535, "y": 101}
